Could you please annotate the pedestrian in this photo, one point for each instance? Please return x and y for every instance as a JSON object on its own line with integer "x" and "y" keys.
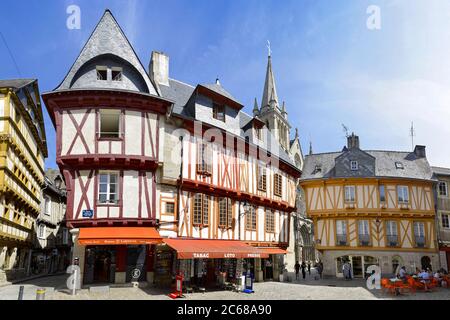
{"x": 303, "y": 266}
{"x": 309, "y": 267}
{"x": 346, "y": 270}
{"x": 297, "y": 269}
{"x": 320, "y": 269}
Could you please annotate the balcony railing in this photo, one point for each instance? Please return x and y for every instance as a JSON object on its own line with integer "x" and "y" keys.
{"x": 392, "y": 241}
{"x": 420, "y": 241}
{"x": 364, "y": 239}
{"x": 341, "y": 239}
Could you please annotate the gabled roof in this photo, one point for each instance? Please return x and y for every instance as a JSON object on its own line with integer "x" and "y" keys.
{"x": 15, "y": 84}
{"x": 413, "y": 167}
{"x": 107, "y": 38}
{"x": 217, "y": 90}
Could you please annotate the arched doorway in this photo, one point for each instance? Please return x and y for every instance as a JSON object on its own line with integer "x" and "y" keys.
{"x": 426, "y": 262}
{"x": 306, "y": 244}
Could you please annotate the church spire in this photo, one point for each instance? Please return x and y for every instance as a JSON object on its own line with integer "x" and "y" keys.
{"x": 310, "y": 148}
{"x": 270, "y": 91}
{"x": 255, "y": 108}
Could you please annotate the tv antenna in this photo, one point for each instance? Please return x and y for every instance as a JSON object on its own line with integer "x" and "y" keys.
{"x": 344, "y": 127}
{"x": 412, "y": 134}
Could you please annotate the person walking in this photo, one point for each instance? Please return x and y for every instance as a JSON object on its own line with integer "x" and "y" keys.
{"x": 309, "y": 267}
{"x": 320, "y": 269}
{"x": 303, "y": 266}
{"x": 297, "y": 269}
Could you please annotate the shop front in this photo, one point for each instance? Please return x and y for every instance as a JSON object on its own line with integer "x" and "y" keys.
{"x": 209, "y": 263}
{"x": 118, "y": 255}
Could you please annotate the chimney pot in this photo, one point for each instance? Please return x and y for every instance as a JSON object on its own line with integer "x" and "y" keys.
{"x": 159, "y": 68}
{"x": 353, "y": 141}
{"x": 419, "y": 151}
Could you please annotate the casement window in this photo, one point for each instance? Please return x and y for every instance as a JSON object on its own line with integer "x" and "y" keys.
{"x": 116, "y": 74}
{"x": 250, "y": 219}
{"x": 102, "y": 73}
{"x": 443, "y": 188}
{"x": 349, "y": 192}
{"x": 225, "y": 213}
{"x": 403, "y": 195}
{"x": 363, "y": 232}
{"x": 219, "y": 112}
{"x": 354, "y": 165}
{"x": 204, "y": 158}
{"x": 41, "y": 231}
{"x": 201, "y": 209}
{"x": 278, "y": 184}
{"x": 419, "y": 233}
{"x": 445, "y": 221}
{"x": 382, "y": 193}
{"x": 47, "y": 205}
{"x": 341, "y": 232}
{"x": 399, "y": 165}
{"x": 170, "y": 207}
{"x": 108, "y": 188}
{"x": 270, "y": 220}
{"x": 109, "y": 123}
{"x": 391, "y": 233}
{"x": 262, "y": 177}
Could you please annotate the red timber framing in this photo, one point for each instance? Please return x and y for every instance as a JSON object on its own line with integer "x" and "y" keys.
{"x": 92, "y": 161}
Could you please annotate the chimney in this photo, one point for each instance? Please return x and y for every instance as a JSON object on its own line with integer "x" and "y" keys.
{"x": 159, "y": 68}
{"x": 353, "y": 141}
{"x": 419, "y": 151}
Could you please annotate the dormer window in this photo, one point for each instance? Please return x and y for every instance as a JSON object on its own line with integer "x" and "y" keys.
{"x": 219, "y": 112}
{"x": 317, "y": 168}
{"x": 399, "y": 165}
{"x": 116, "y": 74}
{"x": 102, "y": 73}
{"x": 354, "y": 165}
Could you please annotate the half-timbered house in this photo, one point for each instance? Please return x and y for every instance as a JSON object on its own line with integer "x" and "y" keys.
{"x": 371, "y": 208}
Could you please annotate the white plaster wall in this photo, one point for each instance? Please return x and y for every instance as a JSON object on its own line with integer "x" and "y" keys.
{"x": 130, "y": 194}
{"x": 133, "y": 124}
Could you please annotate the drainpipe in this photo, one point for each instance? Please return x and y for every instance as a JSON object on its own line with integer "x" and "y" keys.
{"x": 180, "y": 177}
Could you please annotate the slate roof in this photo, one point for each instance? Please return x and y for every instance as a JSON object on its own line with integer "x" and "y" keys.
{"x": 180, "y": 93}
{"x": 15, "y": 83}
{"x": 413, "y": 166}
{"x": 441, "y": 171}
{"x": 220, "y": 90}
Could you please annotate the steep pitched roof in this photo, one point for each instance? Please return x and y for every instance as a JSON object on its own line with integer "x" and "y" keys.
{"x": 439, "y": 171}
{"x": 413, "y": 166}
{"x": 15, "y": 84}
{"x": 270, "y": 90}
{"x": 107, "y": 38}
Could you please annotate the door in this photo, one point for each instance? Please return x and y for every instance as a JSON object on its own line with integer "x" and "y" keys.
{"x": 357, "y": 266}
{"x": 136, "y": 263}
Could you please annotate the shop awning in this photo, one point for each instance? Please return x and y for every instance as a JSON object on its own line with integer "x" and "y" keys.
{"x": 213, "y": 249}
{"x": 272, "y": 250}
{"x": 118, "y": 236}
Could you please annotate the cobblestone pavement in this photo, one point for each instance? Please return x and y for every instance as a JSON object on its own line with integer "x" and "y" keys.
{"x": 308, "y": 289}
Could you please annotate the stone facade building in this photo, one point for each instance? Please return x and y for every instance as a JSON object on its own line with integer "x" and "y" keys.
{"x": 23, "y": 149}
{"x": 371, "y": 208}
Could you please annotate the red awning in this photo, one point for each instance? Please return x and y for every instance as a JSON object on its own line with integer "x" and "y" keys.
{"x": 268, "y": 250}
{"x": 213, "y": 249}
{"x": 118, "y": 236}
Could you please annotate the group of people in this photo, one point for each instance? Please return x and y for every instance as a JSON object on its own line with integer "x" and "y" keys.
{"x": 307, "y": 267}
{"x": 425, "y": 275}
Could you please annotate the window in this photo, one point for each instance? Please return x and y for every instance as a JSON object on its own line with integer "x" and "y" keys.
{"x": 250, "y": 219}
{"x": 65, "y": 236}
{"x": 445, "y": 221}
{"x": 391, "y": 233}
{"x": 350, "y": 194}
{"x": 262, "y": 177}
{"x": 225, "y": 213}
{"x": 403, "y": 195}
{"x": 47, "y": 204}
{"x": 399, "y": 165}
{"x": 170, "y": 207}
{"x": 382, "y": 193}
{"x": 110, "y": 123}
{"x": 317, "y": 168}
{"x": 419, "y": 233}
{"x": 363, "y": 232}
{"x": 108, "y": 191}
{"x": 278, "y": 184}
{"x": 354, "y": 165}
{"x": 41, "y": 231}
{"x": 258, "y": 132}
{"x": 219, "y": 112}
{"x": 102, "y": 73}
{"x": 341, "y": 232}
{"x": 201, "y": 209}
{"x": 204, "y": 158}
{"x": 270, "y": 220}
{"x": 443, "y": 189}
{"x": 116, "y": 74}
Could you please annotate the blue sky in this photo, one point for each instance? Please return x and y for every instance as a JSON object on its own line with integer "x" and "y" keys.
{"x": 329, "y": 67}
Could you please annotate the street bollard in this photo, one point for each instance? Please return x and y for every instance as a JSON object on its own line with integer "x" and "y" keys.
{"x": 20, "y": 293}
{"x": 40, "y": 294}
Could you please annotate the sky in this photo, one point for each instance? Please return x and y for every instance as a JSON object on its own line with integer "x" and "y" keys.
{"x": 330, "y": 68}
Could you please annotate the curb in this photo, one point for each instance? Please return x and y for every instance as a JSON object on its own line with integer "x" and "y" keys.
{"x": 30, "y": 278}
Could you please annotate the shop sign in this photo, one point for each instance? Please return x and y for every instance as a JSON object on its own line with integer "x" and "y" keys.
{"x": 254, "y": 255}
{"x": 229, "y": 255}
{"x": 136, "y": 273}
{"x": 88, "y": 213}
{"x": 201, "y": 255}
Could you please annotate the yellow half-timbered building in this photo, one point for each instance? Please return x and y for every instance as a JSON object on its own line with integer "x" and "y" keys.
{"x": 371, "y": 207}
{"x": 23, "y": 149}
